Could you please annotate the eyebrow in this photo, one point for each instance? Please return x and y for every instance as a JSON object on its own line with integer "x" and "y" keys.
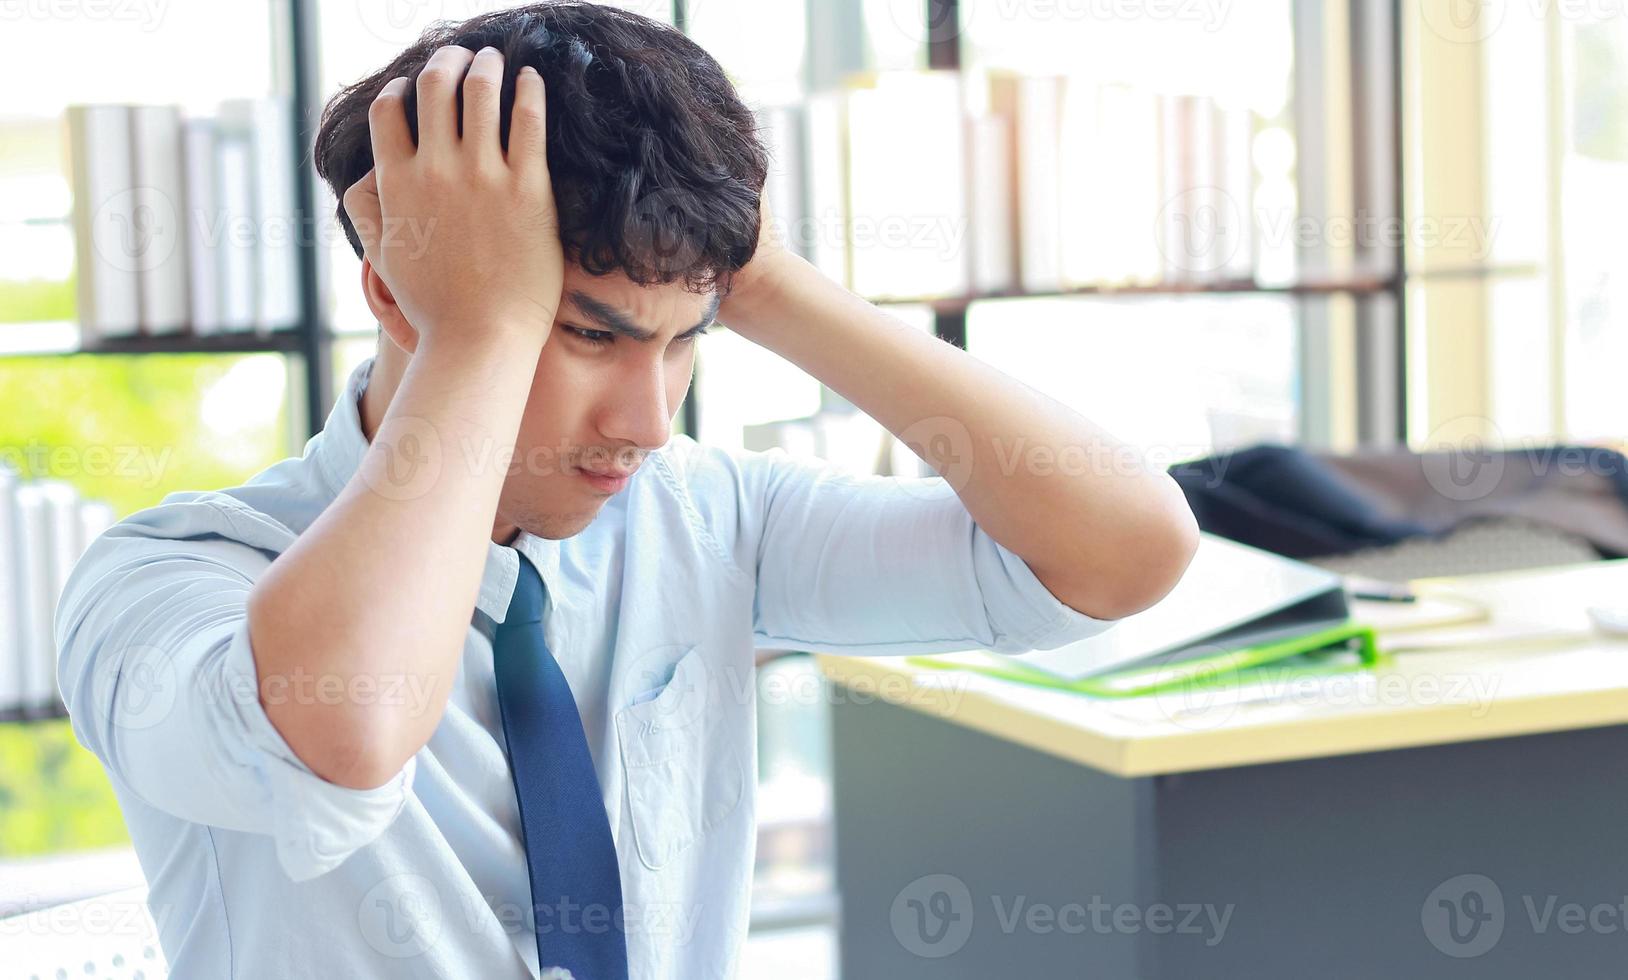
{"x": 615, "y": 321}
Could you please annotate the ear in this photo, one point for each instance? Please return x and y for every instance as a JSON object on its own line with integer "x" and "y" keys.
{"x": 385, "y": 310}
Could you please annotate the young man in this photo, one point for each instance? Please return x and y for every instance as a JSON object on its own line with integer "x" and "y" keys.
{"x": 465, "y": 691}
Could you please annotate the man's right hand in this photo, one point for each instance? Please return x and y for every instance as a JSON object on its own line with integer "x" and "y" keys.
{"x": 465, "y": 236}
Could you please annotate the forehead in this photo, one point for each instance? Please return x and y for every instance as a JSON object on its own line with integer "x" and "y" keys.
{"x": 668, "y": 307}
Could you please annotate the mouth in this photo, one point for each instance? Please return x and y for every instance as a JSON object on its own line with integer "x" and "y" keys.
{"x": 606, "y": 483}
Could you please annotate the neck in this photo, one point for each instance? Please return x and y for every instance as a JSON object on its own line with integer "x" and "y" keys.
{"x": 383, "y": 380}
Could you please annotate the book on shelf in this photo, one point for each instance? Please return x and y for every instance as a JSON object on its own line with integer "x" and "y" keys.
{"x": 266, "y": 126}
{"x": 1116, "y": 160}
{"x": 184, "y": 224}
{"x": 907, "y": 201}
{"x": 12, "y": 630}
{"x": 1033, "y": 106}
{"x": 781, "y": 130}
{"x": 234, "y": 198}
{"x": 104, "y": 221}
{"x": 159, "y": 182}
{"x": 1235, "y": 176}
{"x": 205, "y": 228}
{"x": 1115, "y": 185}
{"x": 825, "y": 155}
{"x": 915, "y": 184}
{"x": 991, "y": 255}
{"x": 44, "y": 528}
{"x": 38, "y": 505}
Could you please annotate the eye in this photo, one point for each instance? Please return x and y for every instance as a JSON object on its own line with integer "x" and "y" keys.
{"x": 593, "y": 338}
{"x": 689, "y": 338}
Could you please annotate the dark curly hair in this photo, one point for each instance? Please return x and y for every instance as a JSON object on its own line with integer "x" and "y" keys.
{"x": 655, "y": 161}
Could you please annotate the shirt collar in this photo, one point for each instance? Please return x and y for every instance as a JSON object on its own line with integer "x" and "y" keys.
{"x": 337, "y": 452}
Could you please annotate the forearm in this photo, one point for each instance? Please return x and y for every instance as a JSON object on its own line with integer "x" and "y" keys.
{"x": 1107, "y": 534}
{"x": 382, "y": 585}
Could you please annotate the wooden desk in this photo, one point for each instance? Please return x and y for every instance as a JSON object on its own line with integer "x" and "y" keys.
{"x": 1332, "y": 818}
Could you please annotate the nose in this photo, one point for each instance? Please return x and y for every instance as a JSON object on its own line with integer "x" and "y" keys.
{"x": 638, "y": 413}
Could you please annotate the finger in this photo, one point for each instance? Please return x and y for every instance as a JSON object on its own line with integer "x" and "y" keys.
{"x": 528, "y": 127}
{"x": 387, "y": 124}
{"x": 482, "y": 87}
{"x": 362, "y": 208}
{"x": 438, "y": 97}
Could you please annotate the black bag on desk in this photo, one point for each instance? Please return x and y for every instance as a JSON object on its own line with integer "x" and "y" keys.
{"x": 1307, "y": 505}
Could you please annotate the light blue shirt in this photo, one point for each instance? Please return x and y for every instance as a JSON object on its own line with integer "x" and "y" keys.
{"x": 257, "y": 867}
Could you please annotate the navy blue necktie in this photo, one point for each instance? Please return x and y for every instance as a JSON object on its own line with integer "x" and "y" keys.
{"x": 576, "y": 890}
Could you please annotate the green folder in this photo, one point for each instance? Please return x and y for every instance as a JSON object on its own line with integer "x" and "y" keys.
{"x": 1346, "y": 647}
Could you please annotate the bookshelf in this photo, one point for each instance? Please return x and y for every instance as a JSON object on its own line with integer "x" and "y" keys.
{"x": 309, "y": 338}
{"x": 62, "y": 339}
{"x": 1376, "y": 145}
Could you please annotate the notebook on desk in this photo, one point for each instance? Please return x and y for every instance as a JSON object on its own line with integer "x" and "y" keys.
{"x": 1232, "y": 597}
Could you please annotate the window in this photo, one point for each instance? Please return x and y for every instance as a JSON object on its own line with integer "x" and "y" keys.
{"x": 1516, "y": 309}
{"x": 1594, "y": 171}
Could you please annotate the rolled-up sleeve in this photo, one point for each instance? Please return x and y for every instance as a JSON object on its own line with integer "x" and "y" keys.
{"x": 887, "y": 565}
{"x": 156, "y": 669}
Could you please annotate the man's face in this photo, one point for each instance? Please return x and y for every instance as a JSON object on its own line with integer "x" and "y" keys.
{"x": 601, "y": 398}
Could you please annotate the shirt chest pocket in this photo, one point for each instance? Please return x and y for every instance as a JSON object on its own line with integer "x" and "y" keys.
{"x": 683, "y": 772}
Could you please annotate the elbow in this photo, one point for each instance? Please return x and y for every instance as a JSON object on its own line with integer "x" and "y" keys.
{"x": 1163, "y": 548}
{"x": 1138, "y": 567}
{"x": 1173, "y": 542}
{"x": 341, "y": 744}
{"x": 345, "y": 731}
{"x": 364, "y": 774}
